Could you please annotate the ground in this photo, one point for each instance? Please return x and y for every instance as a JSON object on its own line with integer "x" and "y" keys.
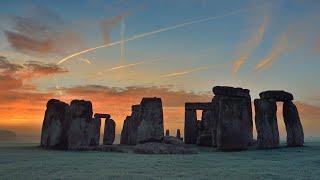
{"x": 27, "y": 161}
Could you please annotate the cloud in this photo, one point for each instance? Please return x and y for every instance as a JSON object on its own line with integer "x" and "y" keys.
{"x": 107, "y": 24}
{"x": 317, "y": 46}
{"x": 246, "y": 49}
{"x": 41, "y": 33}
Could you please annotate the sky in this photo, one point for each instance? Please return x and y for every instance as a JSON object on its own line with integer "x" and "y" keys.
{"x": 115, "y": 52}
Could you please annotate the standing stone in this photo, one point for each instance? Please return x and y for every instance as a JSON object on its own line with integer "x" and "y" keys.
{"x": 167, "y": 132}
{"x": 178, "y": 136}
{"x": 204, "y": 131}
{"x": 151, "y": 117}
{"x": 55, "y": 125}
{"x": 233, "y": 126}
{"x": 109, "y": 132}
{"x": 94, "y": 131}
{"x": 190, "y": 126}
{"x": 124, "y": 139}
{"x": 266, "y": 123}
{"x": 295, "y": 135}
{"x": 82, "y": 127}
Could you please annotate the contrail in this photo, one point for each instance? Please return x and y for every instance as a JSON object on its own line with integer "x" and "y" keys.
{"x": 122, "y": 30}
{"x": 86, "y": 60}
{"x": 154, "y": 32}
{"x": 185, "y": 72}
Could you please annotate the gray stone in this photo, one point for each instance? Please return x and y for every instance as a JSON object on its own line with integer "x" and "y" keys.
{"x": 233, "y": 126}
{"x": 99, "y": 115}
{"x": 178, "y": 135}
{"x": 204, "y": 140}
{"x": 124, "y": 139}
{"x": 167, "y": 132}
{"x": 266, "y": 123}
{"x": 55, "y": 125}
{"x": 190, "y": 127}
{"x": 109, "y": 132}
{"x": 277, "y": 95}
{"x": 151, "y": 117}
{"x": 295, "y": 135}
{"x": 231, "y": 91}
{"x": 198, "y": 105}
{"x": 172, "y": 140}
{"x": 161, "y": 148}
{"x": 130, "y": 127}
{"x": 83, "y": 128}
{"x": 204, "y": 131}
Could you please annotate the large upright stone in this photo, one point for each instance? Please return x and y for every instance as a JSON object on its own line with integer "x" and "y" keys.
{"x": 233, "y": 127}
{"x": 124, "y": 138}
{"x": 276, "y": 95}
{"x": 204, "y": 131}
{"x": 109, "y": 132}
{"x": 266, "y": 123}
{"x": 130, "y": 127}
{"x": 295, "y": 135}
{"x": 83, "y": 127}
{"x": 231, "y": 118}
{"x": 151, "y": 117}
{"x": 55, "y": 125}
{"x": 190, "y": 126}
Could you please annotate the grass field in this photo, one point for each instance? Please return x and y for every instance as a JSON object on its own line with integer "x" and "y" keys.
{"x": 26, "y": 161}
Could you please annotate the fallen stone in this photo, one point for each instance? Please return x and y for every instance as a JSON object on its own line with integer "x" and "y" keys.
{"x": 276, "y": 95}
{"x": 151, "y": 117}
{"x": 109, "y": 132}
{"x": 172, "y": 140}
{"x": 295, "y": 135}
{"x": 266, "y": 123}
{"x": 161, "y": 148}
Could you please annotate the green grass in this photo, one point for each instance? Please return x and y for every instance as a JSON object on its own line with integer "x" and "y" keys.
{"x": 26, "y": 161}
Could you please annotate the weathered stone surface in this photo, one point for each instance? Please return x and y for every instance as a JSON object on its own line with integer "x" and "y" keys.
{"x": 233, "y": 126}
{"x": 55, "y": 125}
{"x": 178, "y": 135}
{"x": 276, "y": 95}
{"x": 190, "y": 127}
{"x": 204, "y": 131}
{"x": 295, "y": 135}
{"x": 99, "y": 115}
{"x": 231, "y": 91}
{"x": 266, "y": 123}
{"x": 151, "y": 117}
{"x": 161, "y": 148}
{"x": 83, "y": 128}
{"x": 124, "y": 139}
{"x": 109, "y": 132}
{"x": 198, "y": 106}
{"x": 172, "y": 140}
{"x": 167, "y": 132}
{"x": 130, "y": 127}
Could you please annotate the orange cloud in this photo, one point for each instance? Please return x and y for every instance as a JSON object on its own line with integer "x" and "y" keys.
{"x": 247, "y": 48}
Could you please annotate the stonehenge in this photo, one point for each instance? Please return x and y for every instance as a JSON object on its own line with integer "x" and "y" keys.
{"x": 226, "y": 123}
{"x": 71, "y": 127}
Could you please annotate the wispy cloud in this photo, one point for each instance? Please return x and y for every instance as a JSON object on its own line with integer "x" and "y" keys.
{"x": 246, "y": 49}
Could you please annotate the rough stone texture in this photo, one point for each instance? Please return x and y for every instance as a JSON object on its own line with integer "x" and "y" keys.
{"x": 161, "y": 148}
{"x": 231, "y": 91}
{"x": 172, "y": 140}
{"x": 55, "y": 125}
{"x": 109, "y": 132}
{"x": 233, "y": 126}
{"x": 276, "y": 95}
{"x": 204, "y": 131}
{"x": 129, "y": 131}
{"x": 190, "y": 127}
{"x": 124, "y": 139}
{"x": 295, "y": 135}
{"x": 99, "y": 115}
{"x": 198, "y": 105}
{"x": 151, "y": 117}
{"x": 167, "y": 132}
{"x": 178, "y": 135}
{"x": 266, "y": 123}
{"x": 83, "y": 128}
